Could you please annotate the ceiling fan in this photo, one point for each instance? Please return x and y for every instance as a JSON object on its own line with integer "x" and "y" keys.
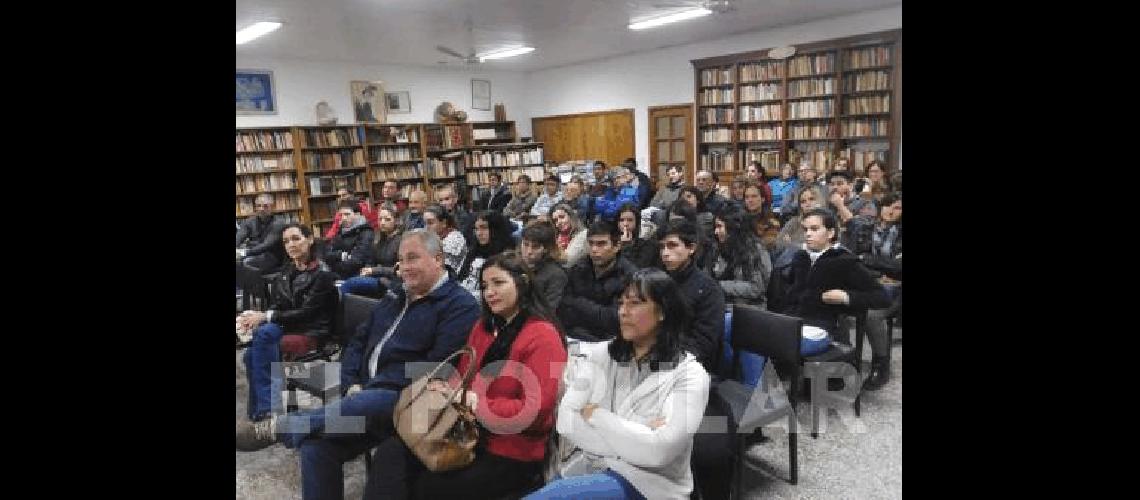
{"x": 470, "y": 58}
{"x": 717, "y": 6}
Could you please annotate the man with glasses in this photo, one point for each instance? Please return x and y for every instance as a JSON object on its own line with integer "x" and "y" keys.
{"x": 259, "y": 237}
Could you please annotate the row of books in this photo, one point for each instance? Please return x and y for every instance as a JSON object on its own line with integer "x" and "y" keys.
{"x": 397, "y": 172}
{"x": 868, "y": 57}
{"x": 259, "y": 183}
{"x": 864, "y": 82}
{"x": 823, "y": 130}
{"x": 868, "y": 104}
{"x": 822, "y": 108}
{"x": 334, "y": 159}
{"x": 446, "y": 167}
{"x": 716, "y": 135}
{"x": 769, "y": 158}
{"x": 504, "y": 158}
{"x": 808, "y": 65}
{"x": 716, "y": 96}
{"x": 761, "y": 71}
{"x": 762, "y": 112}
{"x": 864, "y": 127}
{"x": 394, "y": 154}
{"x": 252, "y": 164}
{"x": 762, "y": 92}
{"x": 281, "y": 201}
{"x": 816, "y": 154}
{"x": 256, "y": 141}
{"x": 447, "y": 136}
{"x": 437, "y": 186}
{"x": 392, "y": 134}
{"x": 322, "y": 209}
{"x": 329, "y": 184}
{"x": 321, "y": 138}
{"x": 860, "y": 159}
{"x": 715, "y": 116}
{"x": 761, "y": 133}
{"x": 716, "y": 76}
{"x": 814, "y": 86}
{"x": 718, "y": 161}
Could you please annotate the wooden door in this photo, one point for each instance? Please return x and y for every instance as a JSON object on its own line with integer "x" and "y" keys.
{"x": 600, "y": 135}
{"x": 670, "y": 141}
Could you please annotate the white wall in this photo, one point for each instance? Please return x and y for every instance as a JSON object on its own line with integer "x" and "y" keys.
{"x": 665, "y": 76}
{"x": 302, "y": 83}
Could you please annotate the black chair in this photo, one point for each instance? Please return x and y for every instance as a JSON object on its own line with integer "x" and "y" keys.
{"x": 776, "y": 337}
{"x": 307, "y": 372}
{"x": 831, "y": 364}
{"x": 254, "y": 287}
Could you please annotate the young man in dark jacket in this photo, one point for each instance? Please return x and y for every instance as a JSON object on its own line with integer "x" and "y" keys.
{"x": 678, "y": 246}
{"x": 261, "y": 236}
{"x": 589, "y": 306}
{"x": 351, "y": 247}
{"x": 424, "y": 322}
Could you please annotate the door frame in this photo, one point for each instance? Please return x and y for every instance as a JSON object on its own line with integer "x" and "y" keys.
{"x": 691, "y": 151}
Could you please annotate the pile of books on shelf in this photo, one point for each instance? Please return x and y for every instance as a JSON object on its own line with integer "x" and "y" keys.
{"x": 815, "y": 154}
{"x": 446, "y": 136}
{"x": 320, "y": 138}
{"x": 863, "y": 127}
{"x": 716, "y": 135}
{"x": 769, "y": 158}
{"x": 860, "y": 158}
{"x": 715, "y": 116}
{"x": 259, "y": 183}
{"x": 824, "y": 130}
{"x": 761, "y": 71}
{"x": 396, "y": 134}
{"x": 281, "y": 201}
{"x": 449, "y": 165}
{"x": 329, "y": 184}
{"x": 482, "y": 158}
{"x": 764, "y": 112}
{"x": 761, "y": 132}
{"x": 397, "y": 173}
{"x": 868, "y": 81}
{"x": 812, "y": 87}
{"x": 716, "y": 76}
{"x": 762, "y": 92}
{"x": 822, "y": 108}
{"x": 867, "y": 104}
{"x": 867, "y": 58}
{"x": 716, "y": 96}
{"x": 395, "y": 154}
{"x": 718, "y": 161}
{"x": 259, "y": 140}
{"x": 808, "y": 65}
{"x": 254, "y": 164}
{"x": 334, "y": 159}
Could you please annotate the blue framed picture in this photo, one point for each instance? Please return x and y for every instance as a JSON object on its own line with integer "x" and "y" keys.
{"x": 256, "y": 94}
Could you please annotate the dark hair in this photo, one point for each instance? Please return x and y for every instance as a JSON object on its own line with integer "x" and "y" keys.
{"x": 684, "y": 229}
{"x": 306, "y": 231}
{"x": 599, "y": 163}
{"x": 442, "y": 214}
{"x": 604, "y": 228}
{"x": 495, "y": 175}
{"x": 676, "y": 166}
{"x": 392, "y": 181}
{"x": 695, "y": 192}
{"x": 632, "y": 208}
{"x": 530, "y": 301}
{"x": 876, "y": 163}
{"x": 522, "y": 178}
{"x": 349, "y": 204}
{"x": 543, "y": 233}
{"x": 741, "y": 247}
{"x": 676, "y": 317}
{"x": 890, "y": 199}
{"x": 554, "y": 178}
{"x": 315, "y": 251}
{"x": 828, "y": 218}
{"x": 499, "y": 227}
{"x": 846, "y": 174}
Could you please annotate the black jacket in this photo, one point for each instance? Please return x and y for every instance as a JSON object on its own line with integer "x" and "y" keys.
{"x": 589, "y": 304}
{"x": 304, "y": 301}
{"x": 263, "y": 236}
{"x": 502, "y": 196}
{"x": 836, "y": 269}
{"x": 707, "y": 301}
{"x": 642, "y": 252}
{"x": 550, "y": 282}
{"x": 385, "y": 254}
{"x": 357, "y": 241}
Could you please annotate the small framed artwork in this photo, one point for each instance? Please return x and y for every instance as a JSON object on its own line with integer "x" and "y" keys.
{"x": 256, "y": 94}
{"x": 481, "y": 94}
{"x": 366, "y": 102}
{"x": 398, "y": 102}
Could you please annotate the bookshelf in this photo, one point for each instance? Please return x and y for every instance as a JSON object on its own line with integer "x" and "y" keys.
{"x": 508, "y": 160}
{"x": 831, "y": 98}
{"x": 493, "y": 132}
{"x": 332, "y": 157}
{"x": 267, "y": 163}
{"x": 440, "y": 136}
{"x": 395, "y": 152}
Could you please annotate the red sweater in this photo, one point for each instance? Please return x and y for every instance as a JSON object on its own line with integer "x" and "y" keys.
{"x": 519, "y": 404}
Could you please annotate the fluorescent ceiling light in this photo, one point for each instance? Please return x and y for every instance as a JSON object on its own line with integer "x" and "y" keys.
{"x": 258, "y": 29}
{"x": 506, "y": 53}
{"x": 671, "y": 18}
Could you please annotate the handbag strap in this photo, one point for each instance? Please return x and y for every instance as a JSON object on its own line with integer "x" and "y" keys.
{"x": 467, "y": 375}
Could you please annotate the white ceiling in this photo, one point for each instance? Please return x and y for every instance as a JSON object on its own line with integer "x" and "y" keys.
{"x": 562, "y": 31}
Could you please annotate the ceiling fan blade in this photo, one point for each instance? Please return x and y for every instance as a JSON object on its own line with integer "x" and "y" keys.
{"x": 449, "y": 52}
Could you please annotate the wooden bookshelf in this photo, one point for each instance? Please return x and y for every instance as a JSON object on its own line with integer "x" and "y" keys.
{"x": 493, "y": 132}
{"x": 268, "y": 163}
{"x": 845, "y": 93}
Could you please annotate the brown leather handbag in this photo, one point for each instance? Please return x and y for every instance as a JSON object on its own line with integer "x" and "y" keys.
{"x": 438, "y": 427}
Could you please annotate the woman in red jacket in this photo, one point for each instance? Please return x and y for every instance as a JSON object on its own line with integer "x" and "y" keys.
{"x": 519, "y": 353}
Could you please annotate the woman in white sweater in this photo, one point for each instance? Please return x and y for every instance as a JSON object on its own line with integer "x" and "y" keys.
{"x": 632, "y": 404}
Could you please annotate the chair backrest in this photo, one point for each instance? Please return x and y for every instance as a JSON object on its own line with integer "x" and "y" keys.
{"x": 354, "y": 311}
{"x": 253, "y": 285}
{"x": 766, "y": 333}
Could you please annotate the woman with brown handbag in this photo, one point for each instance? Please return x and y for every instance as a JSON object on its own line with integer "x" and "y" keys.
{"x": 519, "y": 354}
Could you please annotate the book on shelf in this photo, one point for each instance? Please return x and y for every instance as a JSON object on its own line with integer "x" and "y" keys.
{"x": 819, "y": 108}
{"x": 392, "y": 134}
{"x": 482, "y": 158}
{"x": 816, "y": 154}
{"x": 715, "y": 116}
{"x": 281, "y": 201}
{"x": 261, "y": 183}
{"x": 772, "y": 132}
{"x": 769, "y": 159}
{"x": 447, "y": 136}
{"x": 329, "y": 160}
{"x": 811, "y": 130}
{"x": 811, "y": 87}
{"x": 255, "y": 164}
{"x": 867, "y": 81}
{"x": 770, "y": 70}
{"x": 867, "y": 104}
{"x": 329, "y": 184}
{"x": 760, "y": 112}
{"x": 716, "y": 76}
{"x": 252, "y": 140}
{"x": 448, "y": 165}
{"x": 867, "y": 57}
{"x": 860, "y": 158}
{"x": 716, "y": 96}
{"x": 760, "y": 92}
{"x": 321, "y": 138}
{"x": 398, "y": 172}
{"x": 718, "y": 161}
{"x": 716, "y": 135}
{"x": 811, "y": 64}
{"x": 402, "y": 153}
{"x": 863, "y": 127}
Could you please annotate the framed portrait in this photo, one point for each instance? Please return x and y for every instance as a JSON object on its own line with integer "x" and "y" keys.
{"x": 367, "y": 102}
{"x": 398, "y": 102}
{"x": 256, "y": 94}
{"x": 481, "y": 94}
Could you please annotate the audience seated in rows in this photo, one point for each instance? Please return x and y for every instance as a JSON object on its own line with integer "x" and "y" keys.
{"x": 522, "y": 200}
{"x": 742, "y": 265}
{"x": 543, "y": 258}
{"x": 259, "y": 237}
{"x": 350, "y": 249}
{"x": 439, "y": 221}
{"x": 365, "y": 209}
{"x": 589, "y": 306}
{"x": 550, "y": 196}
{"x": 378, "y": 275}
{"x": 413, "y": 217}
{"x": 494, "y": 195}
{"x": 626, "y": 190}
{"x": 490, "y": 236}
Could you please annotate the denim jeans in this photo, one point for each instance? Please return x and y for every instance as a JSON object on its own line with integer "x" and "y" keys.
{"x": 810, "y": 347}
{"x": 607, "y": 485}
{"x": 326, "y": 442}
{"x": 264, "y": 389}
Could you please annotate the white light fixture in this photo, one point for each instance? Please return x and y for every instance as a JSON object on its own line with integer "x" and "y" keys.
{"x": 671, "y": 18}
{"x": 249, "y": 33}
{"x": 517, "y": 51}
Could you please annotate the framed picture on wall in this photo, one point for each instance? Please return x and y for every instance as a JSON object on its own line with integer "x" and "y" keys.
{"x": 398, "y": 102}
{"x": 367, "y": 102}
{"x": 481, "y": 94}
{"x": 256, "y": 94}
